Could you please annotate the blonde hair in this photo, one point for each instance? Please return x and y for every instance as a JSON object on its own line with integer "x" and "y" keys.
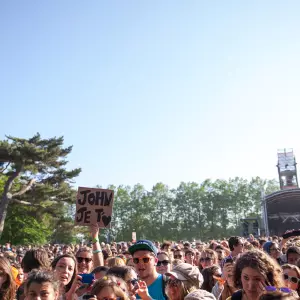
{"x": 186, "y": 288}
{"x": 115, "y": 262}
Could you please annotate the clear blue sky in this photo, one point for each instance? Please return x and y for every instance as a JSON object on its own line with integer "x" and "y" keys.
{"x": 150, "y": 91}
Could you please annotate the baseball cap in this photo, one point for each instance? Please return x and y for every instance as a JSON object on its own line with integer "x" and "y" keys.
{"x": 143, "y": 245}
{"x": 187, "y": 272}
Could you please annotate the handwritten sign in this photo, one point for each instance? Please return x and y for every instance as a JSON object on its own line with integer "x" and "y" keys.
{"x": 94, "y": 206}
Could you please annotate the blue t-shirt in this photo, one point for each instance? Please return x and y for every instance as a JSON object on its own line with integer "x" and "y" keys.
{"x": 155, "y": 290}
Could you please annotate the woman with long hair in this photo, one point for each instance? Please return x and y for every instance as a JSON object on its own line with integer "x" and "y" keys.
{"x": 209, "y": 274}
{"x": 65, "y": 270}
{"x": 208, "y": 258}
{"x": 256, "y": 272}
{"x": 7, "y": 283}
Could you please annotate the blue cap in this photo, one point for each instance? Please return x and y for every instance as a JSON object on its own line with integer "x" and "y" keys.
{"x": 143, "y": 245}
{"x": 267, "y": 247}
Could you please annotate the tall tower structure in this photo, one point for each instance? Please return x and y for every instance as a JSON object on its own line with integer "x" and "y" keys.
{"x": 287, "y": 170}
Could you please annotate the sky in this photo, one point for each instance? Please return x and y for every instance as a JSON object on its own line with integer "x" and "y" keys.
{"x": 154, "y": 91}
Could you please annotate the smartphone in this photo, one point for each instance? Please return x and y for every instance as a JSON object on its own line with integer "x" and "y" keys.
{"x": 290, "y": 234}
{"x": 87, "y": 278}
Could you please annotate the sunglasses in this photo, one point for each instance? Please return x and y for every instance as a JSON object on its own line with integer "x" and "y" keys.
{"x": 163, "y": 262}
{"x": 133, "y": 281}
{"x": 274, "y": 289}
{"x": 145, "y": 260}
{"x": 291, "y": 278}
{"x": 275, "y": 249}
{"x": 178, "y": 256}
{"x": 207, "y": 259}
{"x": 86, "y": 259}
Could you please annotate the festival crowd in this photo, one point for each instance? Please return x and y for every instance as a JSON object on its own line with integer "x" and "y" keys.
{"x": 235, "y": 269}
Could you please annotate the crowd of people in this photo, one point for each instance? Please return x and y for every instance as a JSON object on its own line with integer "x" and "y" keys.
{"x": 237, "y": 268}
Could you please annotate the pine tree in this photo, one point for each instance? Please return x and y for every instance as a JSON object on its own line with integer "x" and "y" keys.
{"x": 36, "y": 174}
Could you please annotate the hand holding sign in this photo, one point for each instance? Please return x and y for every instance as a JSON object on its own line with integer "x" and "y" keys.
{"x": 94, "y": 206}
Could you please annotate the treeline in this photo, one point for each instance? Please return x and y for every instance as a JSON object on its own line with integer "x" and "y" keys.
{"x": 38, "y": 200}
{"x": 211, "y": 209}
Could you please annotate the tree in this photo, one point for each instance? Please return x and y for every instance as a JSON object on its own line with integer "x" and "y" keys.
{"x": 35, "y": 175}
{"x": 211, "y": 209}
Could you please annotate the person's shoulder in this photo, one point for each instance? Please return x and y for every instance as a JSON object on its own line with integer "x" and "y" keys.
{"x": 237, "y": 295}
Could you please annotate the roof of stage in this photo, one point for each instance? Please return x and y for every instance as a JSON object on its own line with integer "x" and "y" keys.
{"x": 290, "y": 194}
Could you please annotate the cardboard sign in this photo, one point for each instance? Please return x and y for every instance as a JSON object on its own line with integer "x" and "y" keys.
{"x": 94, "y": 206}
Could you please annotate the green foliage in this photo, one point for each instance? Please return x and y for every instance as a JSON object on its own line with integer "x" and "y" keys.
{"x": 192, "y": 211}
{"x": 40, "y": 201}
{"x": 37, "y": 181}
{"x": 23, "y": 228}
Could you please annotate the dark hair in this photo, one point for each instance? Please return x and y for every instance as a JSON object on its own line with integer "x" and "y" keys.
{"x": 35, "y": 259}
{"x": 120, "y": 272}
{"x": 219, "y": 247}
{"x": 57, "y": 259}
{"x": 212, "y": 253}
{"x": 189, "y": 251}
{"x": 8, "y": 288}
{"x": 233, "y": 241}
{"x": 100, "y": 269}
{"x": 209, "y": 281}
{"x": 262, "y": 241}
{"x": 263, "y": 263}
{"x": 41, "y": 276}
{"x": 293, "y": 249}
{"x": 255, "y": 243}
{"x": 165, "y": 244}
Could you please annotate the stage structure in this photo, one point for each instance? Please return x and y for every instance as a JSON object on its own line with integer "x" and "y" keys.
{"x": 250, "y": 226}
{"x": 281, "y": 210}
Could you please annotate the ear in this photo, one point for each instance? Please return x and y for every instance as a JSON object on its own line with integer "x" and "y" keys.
{"x": 56, "y": 296}
{"x": 155, "y": 260}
